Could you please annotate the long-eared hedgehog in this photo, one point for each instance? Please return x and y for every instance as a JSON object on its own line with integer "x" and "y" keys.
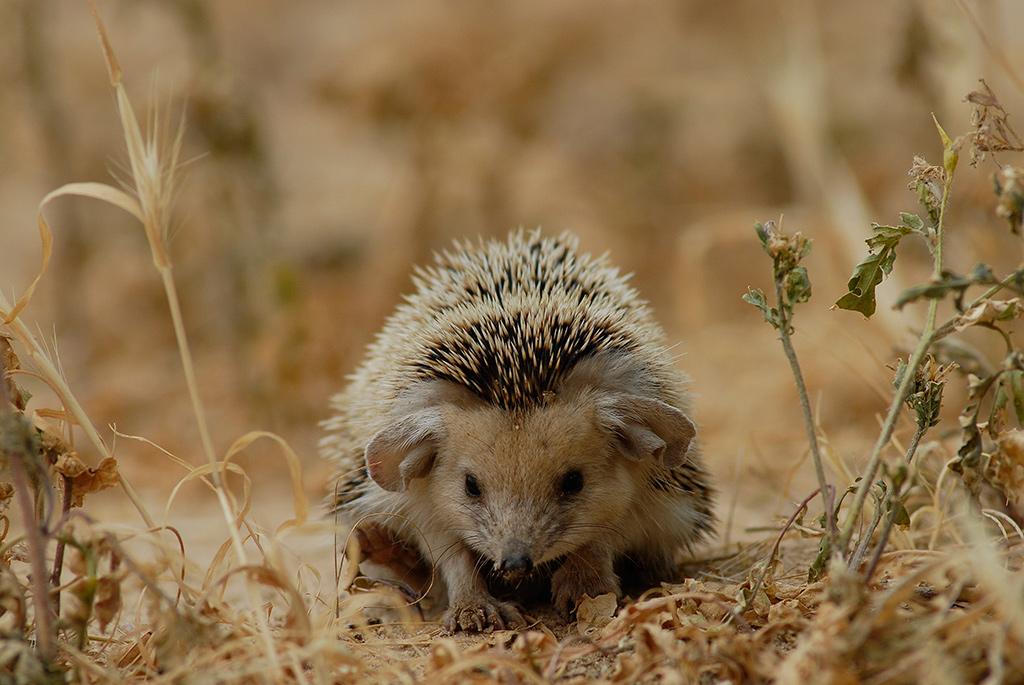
{"x": 520, "y": 416}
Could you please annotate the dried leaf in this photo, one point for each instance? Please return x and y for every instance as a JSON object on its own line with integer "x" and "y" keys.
{"x": 21, "y": 662}
{"x": 534, "y": 645}
{"x": 86, "y": 480}
{"x": 595, "y": 613}
{"x": 53, "y": 445}
{"x": 1005, "y": 468}
{"x": 9, "y": 363}
{"x": 992, "y": 132}
{"x": 928, "y": 181}
{"x": 6, "y": 494}
{"x": 988, "y": 311}
{"x": 46, "y": 238}
{"x": 70, "y": 465}
{"x": 787, "y": 610}
{"x": 654, "y": 642}
{"x": 444, "y": 652}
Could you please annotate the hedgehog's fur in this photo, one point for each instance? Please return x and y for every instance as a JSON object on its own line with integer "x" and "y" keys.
{"x": 509, "y": 321}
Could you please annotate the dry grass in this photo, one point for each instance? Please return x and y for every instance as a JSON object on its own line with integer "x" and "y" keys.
{"x": 933, "y": 598}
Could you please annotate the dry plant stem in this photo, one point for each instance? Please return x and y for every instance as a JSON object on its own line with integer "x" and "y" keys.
{"x": 884, "y": 538}
{"x": 805, "y": 405}
{"x": 927, "y": 337}
{"x": 45, "y": 636}
{"x": 36, "y": 552}
{"x": 152, "y": 171}
{"x": 865, "y": 538}
{"x": 58, "y": 556}
{"x": 185, "y": 353}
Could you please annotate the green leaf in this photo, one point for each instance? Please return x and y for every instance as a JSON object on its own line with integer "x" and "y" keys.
{"x": 1013, "y": 386}
{"x": 900, "y": 515}
{"x": 757, "y": 298}
{"x": 932, "y": 291}
{"x": 888, "y": 237}
{"x": 875, "y": 267}
{"x": 818, "y": 567}
{"x": 798, "y": 285}
{"x": 899, "y": 476}
{"x": 980, "y": 275}
{"x": 762, "y": 235}
{"x": 866, "y": 277}
{"x": 913, "y": 222}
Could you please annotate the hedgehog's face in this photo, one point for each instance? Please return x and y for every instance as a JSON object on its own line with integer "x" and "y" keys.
{"x": 525, "y": 487}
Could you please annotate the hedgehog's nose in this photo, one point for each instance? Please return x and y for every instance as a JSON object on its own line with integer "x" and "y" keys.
{"x": 515, "y": 561}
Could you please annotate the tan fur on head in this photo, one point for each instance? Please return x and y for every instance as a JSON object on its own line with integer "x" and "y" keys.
{"x": 522, "y": 410}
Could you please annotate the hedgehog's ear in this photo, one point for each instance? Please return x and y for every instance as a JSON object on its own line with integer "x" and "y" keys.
{"x": 405, "y": 449}
{"x": 644, "y": 427}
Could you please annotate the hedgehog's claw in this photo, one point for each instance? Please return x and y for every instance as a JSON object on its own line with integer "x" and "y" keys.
{"x": 482, "y": 614}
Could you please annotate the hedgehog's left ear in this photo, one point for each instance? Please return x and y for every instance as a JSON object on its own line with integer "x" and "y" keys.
{"x": 644, "y": 427}
{"x": 641, "y": 425}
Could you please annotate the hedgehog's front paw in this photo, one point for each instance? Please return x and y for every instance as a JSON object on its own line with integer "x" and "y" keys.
{"x": 585, "y": 572}
{"x": 480, "y": 614}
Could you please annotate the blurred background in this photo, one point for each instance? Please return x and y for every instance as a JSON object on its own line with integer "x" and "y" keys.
{"x": 333, "y": 145}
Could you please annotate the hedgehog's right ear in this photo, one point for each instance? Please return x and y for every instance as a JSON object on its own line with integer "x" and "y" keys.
{"x": 405, "y": 449}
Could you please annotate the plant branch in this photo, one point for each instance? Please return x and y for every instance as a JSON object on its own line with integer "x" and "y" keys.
{"x": 894, "y": 495}
{"x": 927, "y": 337}
{"x": 805, "y": 405}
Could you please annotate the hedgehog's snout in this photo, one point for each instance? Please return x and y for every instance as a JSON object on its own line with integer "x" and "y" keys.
{"x": 515, "y": 560}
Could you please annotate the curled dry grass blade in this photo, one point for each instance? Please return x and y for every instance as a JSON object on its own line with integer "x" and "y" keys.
{"x": 294, "y": 471}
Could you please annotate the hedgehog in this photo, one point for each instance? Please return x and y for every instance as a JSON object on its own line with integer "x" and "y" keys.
{"x": 520, "y": 416}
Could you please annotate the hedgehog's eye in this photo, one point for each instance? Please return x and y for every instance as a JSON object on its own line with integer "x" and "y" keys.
{"x": 472, "y": 487}
{"x": 572, "y": 482}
